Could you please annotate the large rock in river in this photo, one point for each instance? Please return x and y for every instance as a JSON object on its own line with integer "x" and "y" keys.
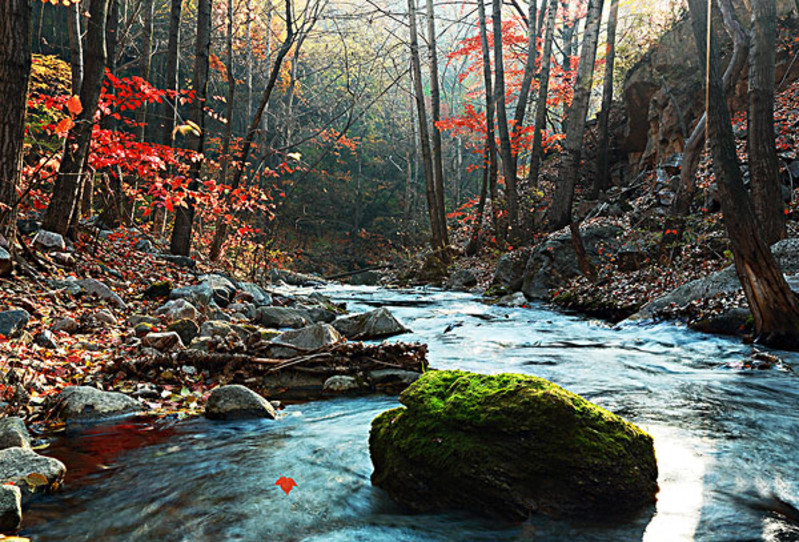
{"x": 509, "y": 445}
{"x": 84, "y": 404}
{"x": 236, "y": 402}
{"x": 376, "y": 324}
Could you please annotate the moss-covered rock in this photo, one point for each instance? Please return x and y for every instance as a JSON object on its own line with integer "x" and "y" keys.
{"x": 158, "y": 289}
{"x": 509, "y": 445}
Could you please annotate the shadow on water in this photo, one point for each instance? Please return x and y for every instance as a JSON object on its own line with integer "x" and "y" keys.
{"x": 725, "y": 440}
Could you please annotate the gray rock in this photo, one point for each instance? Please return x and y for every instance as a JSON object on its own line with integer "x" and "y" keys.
{"x": 137, "y": 319}
{"x": 178, "y": 309}
{"x": 10, "y": 508}
{"x": 163, "y": 342}
{"x": 246, "y": 309}
{"x": 180, "y": 261}
{"x": 17, "y": 463}
{"x": 235, "y": 402}
{"x": 281, "y": 317}
{"x": 365, "y": 278}
{"x": 319, "y": 313}
{"x": 49, "y": 240}
{"x": 258, "y": 295}
{"x": 45, "y": 339}
{"x": 734, "y": 321}
{"x": 510, "y": 270}
{"x": 199, "y": 294}
{"x": 513, "y": 300}
{"x": 295, "y": 279}
{"x": 223, "y": 290}
{"x": 5, "y": 262}
{"x": 375, "y": 324}
{"x": 186, "y": 329}
{"x": 215, "y": 328}
{"x": 84, "y": 404}
{"x": 307, "y": 339}
{"x": 101, "y": 290}
{"x": 342, "y": 384}
{"x": 63, "y": 258}
{"x": 13, "y": 433}
{"x": 462, "y": 280}
{"x": 161, "y": 288}
{"x": 393, "y": 376}
{"x": 144, "y": 245}
{"x": 13, "y": 320}
{"x": 67, "y": 325}
{"x": 105, "y": 316}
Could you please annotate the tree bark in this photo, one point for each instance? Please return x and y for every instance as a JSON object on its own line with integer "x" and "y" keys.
{"x": 491, "y": 142}
{"x": 67, "y": 186}
{"x": 763, "y": 166}
{"x": 560, "y": 213}
{"x": 184, "y": 216}
{"x": 75, "y": 46}
{"x": 527, "y": 77}
{"x": 602, "y": 180}
{"x": 15, "y": 68}
{"x": 775, "y": 308}
{"x": 536, "y": 154}
{"x": 145, "y": 62}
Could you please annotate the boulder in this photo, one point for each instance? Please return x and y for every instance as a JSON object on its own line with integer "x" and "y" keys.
{"x": 178, "y": 309}
{"x": 5, "y": 262}
{"x": 215, "y": 328}
{"x": 102, "y": 291}
{"x": 63, "y": 258}
{"x": 105, "y": 316}
{"x": 223, "y": 290}
{"x": 510, "y": 446}
{"x": 199, "y": 294}
{"x": 137, "y": 319}
{"x": 13, "y": 433}
{"x": 376, "y": 324}
{"x": 17, "y": 463}
{"x": 319, "y": 313}
{"x": 256, "y": 294}
{"x": 10, "y": 508}
{"x": 86, "y": 404}
{"x": 245, "y": 309}
{"x": 185, "y": 328}
{"x": 67, "y": 325}
{"x": 343, "y": 384}
{"x": 162, "y": 288}
{"x": 733, "y": 321}
{"x": 365, "y": 278}
{"x": 295, "y": 279}
{"x": 235, "y": 402}
{"x": 281, "y": 317}
{"x": 510, "y": 270}
{"x": 392, "y": 380}
{"x": 307, "y": 339}
{"x": 13, "y": 320}
{"x": 513, "y": 300}
{"x": 48, "y": 240}
{"x": 462, "y": 280}
{"x": 163, "y": 342}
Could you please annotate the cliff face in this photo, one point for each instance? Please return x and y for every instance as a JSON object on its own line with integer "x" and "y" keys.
{"x": 663, "y": 96}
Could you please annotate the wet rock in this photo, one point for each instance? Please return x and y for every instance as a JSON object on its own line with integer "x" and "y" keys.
{"x": 215, "y": 328}
{"x": 295, "y": 279}
{"x": 365, "y": 278}
{"x": 394, "y": 379}
{"x": 343, "y": 384}
{"x": 462, "y": 280}
{"x": 319, "y": 313}
{"x": 46, "y": 339}
{"x": 513, "y": 300}
{"x": 48, "y": 240}
{"x": 163, "y": 342}
{"x": 180, "y": 261}
{"x": 84, "y": 403}
{"x": 734, "y": 321}
{"x": 105, "y": 316}
{"x": 281, "y": 317}
{"x": 13, "y": 320}
{"x": 307, "y": 339}
{"x": 376, "y": 324}
{"x": 510, "y": 270}
{"x": 257, "y": 295}
{"x": 236, "y": 402}
{"x": 13, "y": 433}
{"x": 510, "y": 446}
{"x": 178, "y": 309}
{"x": 5, "y": 262}
{"x": 162, "y": 288}
{"x": 10, "y": 508}
{"x": 18, "y": 463}
{"x": 185, "y": 328}
{"x": 102, "y": 291}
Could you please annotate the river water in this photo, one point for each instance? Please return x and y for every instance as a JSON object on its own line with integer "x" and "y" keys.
{"x": 726, "y": 441}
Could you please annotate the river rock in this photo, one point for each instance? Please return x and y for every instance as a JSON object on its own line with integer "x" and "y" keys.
{"x": 462, "y": 280}
{"x": 5, "y": 262}
{"x": 319, "y": 313}
{"x": 257, "y": 295}
{"x": 509, "y": 273}
{"x": 102, "y": 291}
{"x": 105, "y": 316}
{"x": 10, "y": 508}
{"x": 376, "y": 324}
{"x": 235, "y": 402}
{"x": 13, "y": 433}
{"x": 733, "y": 321}
{"x": 281, "y": 317}
{"x": 223, "y": 290}
{"x": 510, "y": 446}
{"x": 13, "y": 320}
{"x": 215, "y": 328}
{"x": 307, "y": 339}
{"x": 393, "y": 377}
{"x": 295, "y": 279}
{"x": 343, "y": 384}
{"x": 84, "y": 403}
{"x": 200, "y": 294}
{"x": 163, "y": 342}
{"x": 49, "y": 240}
{"x": 17, "y": 463}
{"x": 365, "y": 278}
{"x": 185, "y": 328}
{"x": 178, "y": 309}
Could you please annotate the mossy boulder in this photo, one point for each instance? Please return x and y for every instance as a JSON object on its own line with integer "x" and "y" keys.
{"x": 509, "y": 445}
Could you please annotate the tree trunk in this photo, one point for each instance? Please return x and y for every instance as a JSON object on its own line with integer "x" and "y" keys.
{"x": 184, "y": 216}
{"x": 536, "y": 154}
{"x": 527, "y": 78}
{"x": 248, "y": 75}
{"x": 145, "y": 62}
{"x": 505, "y": 150}
{"x": 560, "y": 213}
{"x": 15, "y": 68}
{"x": 66, "y": 190}
{"x": 763, "y": 169}
{"x": 474, "y": 241}
{"x": 491, "y": 142}
{"x": 602, "y": 180}
{"x": 774, "y": 306}
{"x": 435, "y": 106}
{"x": 75, "y": 46}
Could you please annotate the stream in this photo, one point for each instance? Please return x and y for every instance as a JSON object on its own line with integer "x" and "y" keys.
{"x": 726, "y": 441}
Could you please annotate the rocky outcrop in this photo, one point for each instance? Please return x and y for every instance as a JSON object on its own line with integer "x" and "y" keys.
{"x": 376, "y": 324}
{"x": 510, "y": 446}
{"x": 237, "y": 402}
{"x": 87, "y": 404}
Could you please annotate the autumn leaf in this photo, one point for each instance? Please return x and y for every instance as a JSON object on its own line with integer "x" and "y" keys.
{"x": 74, "y": 106}
{"x": 64, "y": 126}
{"x": 286, "y": 484}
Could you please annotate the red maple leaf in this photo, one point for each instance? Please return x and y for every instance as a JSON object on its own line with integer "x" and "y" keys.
{"x": 286, "y": 484}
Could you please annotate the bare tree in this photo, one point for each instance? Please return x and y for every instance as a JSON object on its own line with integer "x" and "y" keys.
{"x": 602, "y": 180}
{"x": 536, "y": 154}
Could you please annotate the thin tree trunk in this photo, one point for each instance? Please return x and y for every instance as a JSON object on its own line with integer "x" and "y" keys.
{"x": 145, "y": 62}
{"x": 763, "y": 169}
{"x": 775, "y": 308}
{"x": 527, "y": 78}
{"x": 560, "y": 213}
{"x": 491, "y": 142}
{"x": 184, "y": 216}
{"x": 410, "y": 156}
{"x": 75, "y": 46}
{"x": 536, "y": 155}
{"x": 62, "y": 206}
{"x": 474, "y": 241}
{"x": 602, "y": 180}
{"x": 248, "y": 75}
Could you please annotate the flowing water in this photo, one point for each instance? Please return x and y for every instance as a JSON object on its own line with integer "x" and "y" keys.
{"x": 726, "y": 442}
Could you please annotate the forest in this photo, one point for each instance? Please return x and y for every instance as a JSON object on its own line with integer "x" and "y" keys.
{"x": 399, "y": 270}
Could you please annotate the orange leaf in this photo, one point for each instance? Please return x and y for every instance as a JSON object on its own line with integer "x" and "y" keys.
{"x": 64, "y": 126}
{"x": 74, "y": 106}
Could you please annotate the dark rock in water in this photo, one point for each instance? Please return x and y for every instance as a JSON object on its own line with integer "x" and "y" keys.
{"x": 434, "y": 269}
{"x": 158, "y": 289}
{"x": 180, "y": 261}
{"x": 735, "y": 321}
{"x": 10, "y": 508}
{"x": 17, "y": 463}
{"x": 236, "y": 402}
{"x": 13, "y": 433}
{"x": 462, "y": 280}
{"x": 186, "y": 329}
{"x": 509, "y": 445}
{"x": 376, "y": 324}
{"x": 281, "y": 317}
{"x": 344, "y": 384}
{"x": 365, "y": 278}
{"x": 84, "y": 403}
{"x": 13, "y": 320}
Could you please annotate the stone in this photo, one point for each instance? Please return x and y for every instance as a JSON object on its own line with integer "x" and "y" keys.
{"x": 178, "y": 309}
{"x": 13, "y": 320}
{"x": 63, "y": 258}
{"x": 215, "y": 328}
{"x": 136, "y": 319}
{"x": 102, "y": 291}
{"x": 105, "y": 316}
{"x": 512, "y": 300}
{"x": 161, "y": 288}
{"x": 295, "y": 279}
{"x": 223, "y": 290}
{"x": 163, "y": 342}
{"x": 376, "y": 324}
{"x": 49, "y": 241}
{"x": 10, "y": 508}
{"x": 307, "y": 339}
{"x": 319, "y": 313}
{"x": 401, "y": 377}
{"x": 180, "y": 261}
{"x": 5, "y": 262}
{"x": 510, "y": 270}
{"x": 144, "y": 245}
{"x": 17, "y": 463}
{"x": 462, "y": 280}
{"x": 510, "y": 446}
{"x": 281, "y": 317}
{"x": 199, "y": 294}
{"x": 342, "y": 384}
{"x": 45, "y": 339}
{"x": 13, "y": 433}
{"x": 185, "y": 328}
{"x": 734, "y": 321}
{"x": 143, "y": 328}
{"x": 86, "y": 404}
{"x": 246, "y": 309}
{"x": 236, "y": 402}
{"x": 27, "y": 226}
{"x": 365, "y": 278}
{"x": 258, "y": 295}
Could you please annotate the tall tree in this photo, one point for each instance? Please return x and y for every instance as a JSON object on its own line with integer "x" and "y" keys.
{"x": 145, "y": 60}
{"x": 529, "y": 72}
{"x": 68, "y": 184}
{"x": 15, "y": 68}
{"x": 537, "y": 152}
{"x": 561, "y": 211}
{"x": 763, "y": 169}
{"x": 184, "y": 216}
{"x": 774, "y": 306}
{"x": 602, "y": 179}
{"x": 75, "y": 46}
